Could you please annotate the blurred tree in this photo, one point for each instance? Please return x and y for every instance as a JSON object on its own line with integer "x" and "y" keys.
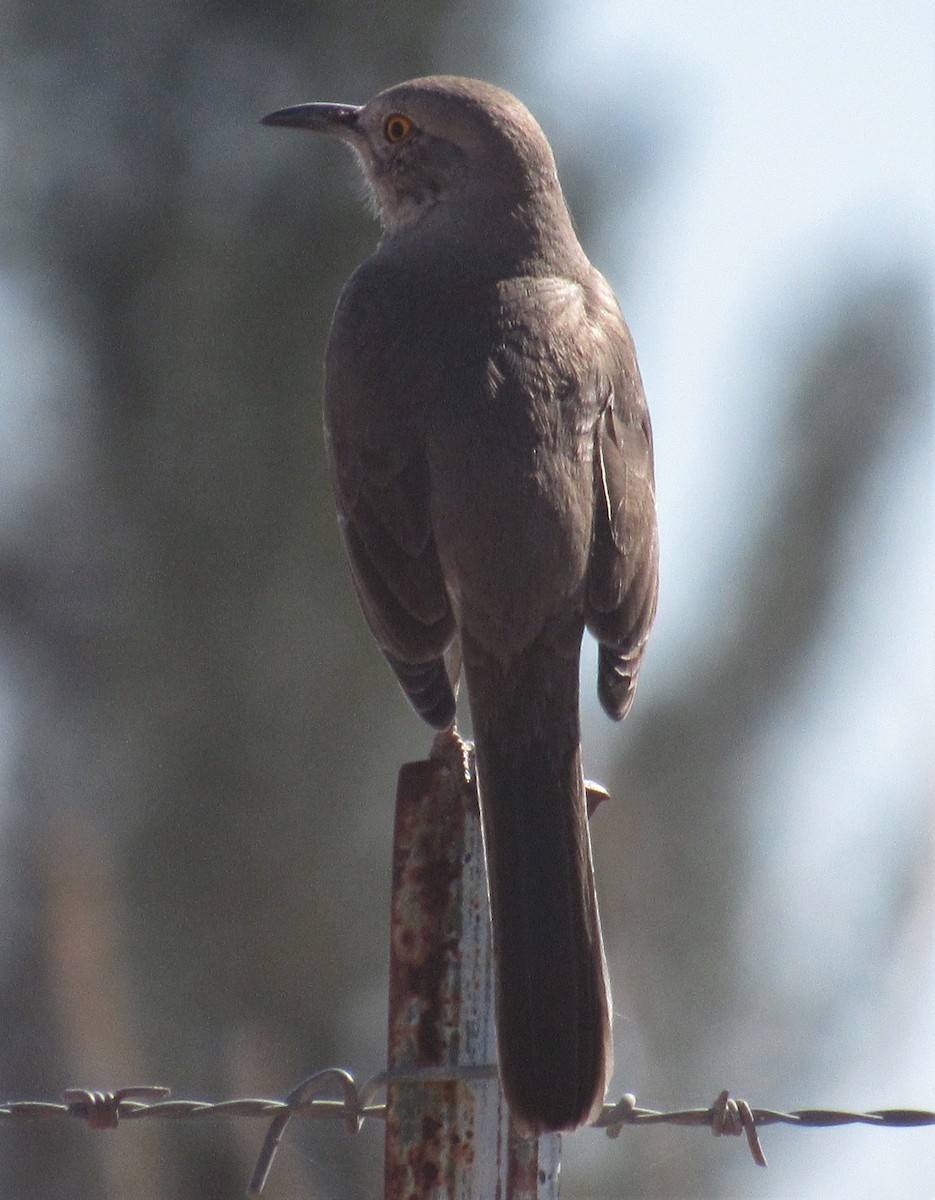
{"x": 201, "y": 714}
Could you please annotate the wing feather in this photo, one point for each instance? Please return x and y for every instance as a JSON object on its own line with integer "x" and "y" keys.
{"x": 623, "y": 570}
{"x": 381, "y": 485}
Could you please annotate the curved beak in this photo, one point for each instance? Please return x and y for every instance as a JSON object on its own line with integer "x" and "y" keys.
{"x": 337, "y": 119}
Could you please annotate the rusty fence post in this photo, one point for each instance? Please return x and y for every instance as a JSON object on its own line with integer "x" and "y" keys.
{"x": 448, "y": 1137}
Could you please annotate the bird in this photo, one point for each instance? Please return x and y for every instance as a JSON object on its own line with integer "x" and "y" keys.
{"x": 492, "y": 460}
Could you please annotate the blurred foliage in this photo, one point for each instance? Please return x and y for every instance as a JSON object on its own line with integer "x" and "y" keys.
{"x": 203, "y": 715}
{"x": 682, "y": 834}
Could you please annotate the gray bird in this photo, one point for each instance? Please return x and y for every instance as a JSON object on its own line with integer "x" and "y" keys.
{"x": 492, "y": 460}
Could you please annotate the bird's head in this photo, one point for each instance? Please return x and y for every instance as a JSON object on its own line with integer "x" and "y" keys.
{"x": 444, "y": 148}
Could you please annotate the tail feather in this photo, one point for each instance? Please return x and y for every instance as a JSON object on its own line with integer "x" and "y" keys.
{"x": 553, "y": 1006}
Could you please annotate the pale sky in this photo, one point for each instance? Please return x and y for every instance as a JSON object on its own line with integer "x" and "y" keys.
{"x": 804, "y": 143}
{"x": 798, "y": 151}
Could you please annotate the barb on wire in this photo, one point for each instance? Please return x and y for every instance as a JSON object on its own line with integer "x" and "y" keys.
{"x": 725, "y": 1117}
{"x": 728, "y": 1116}
{"x": 103, "y": 1110}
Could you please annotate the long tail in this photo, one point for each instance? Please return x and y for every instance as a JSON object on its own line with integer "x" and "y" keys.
{"x": 553, "y": 1002}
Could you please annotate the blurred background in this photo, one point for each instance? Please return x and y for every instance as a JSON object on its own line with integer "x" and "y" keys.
{"x": 198, "y": 739}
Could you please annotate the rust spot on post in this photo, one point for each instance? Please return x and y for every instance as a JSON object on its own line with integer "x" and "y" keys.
{"x": 449, "y": 1138}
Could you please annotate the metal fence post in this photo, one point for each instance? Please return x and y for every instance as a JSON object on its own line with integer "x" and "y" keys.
{"x": 449, "y": 1137}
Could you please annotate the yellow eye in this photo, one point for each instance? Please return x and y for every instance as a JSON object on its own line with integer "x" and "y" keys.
{"x": 396, "y": 127}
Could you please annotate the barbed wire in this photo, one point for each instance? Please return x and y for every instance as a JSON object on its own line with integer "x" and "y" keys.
{"x": 354, "y": 1103}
